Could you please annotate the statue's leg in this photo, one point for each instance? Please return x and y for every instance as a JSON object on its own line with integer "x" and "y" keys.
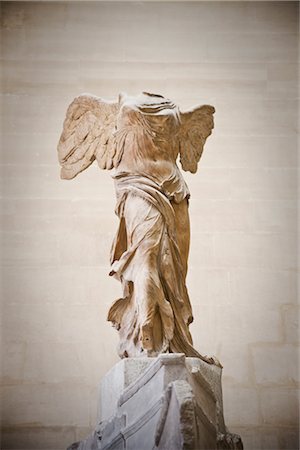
{"x": 145, "y": 227}
{"x": 182, "y": 224}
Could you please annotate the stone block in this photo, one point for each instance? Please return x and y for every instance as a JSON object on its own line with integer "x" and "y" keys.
{"x": 250, "y": 322}
{"x": 217, "y": 327}
{"x": 214, "y": 286}
{"x": 280, "y": 406}
{"x": 235, "y": 416}
{"x": 235, "y": 358}
{"x": 252, "y": 47}
{"x": 171, "y": 402}
{"x": 41, "y": 366}
{"x": 250, "y": 152}
{"x": 203, "y": 329}
{"x": 289, "y": 438}
{"x": 281, "y": 80}
{"x": 57, "y": 286}
{"x": 34, "y": 220}
{"x": 26, "y": 322}
{"x": 269, "y": 439}
{"x": 247, "y": 122}
{"x": 29, "y": 437}
{"x": 23, "y": 182}
{"x": 212, "y": 184}
{"x": 84, "y": 249}
{"x": 262, "y": 287}
{"x": 40, "y": 403}
{"x": 202, "y": 254}
{"x": 21, "y": 249}
{"x": 255, "y": 250}
{"x": 263, "y": 184}
{"x": 291, "y": 316}
{"x": 117, "y": 379}
{"x": 279, "y": 216}
{"x": 13, "y": 357}
{"x": 223, "y": 215}
{"x": 276, "y": 364}
{"x": 99, "y": 358}
{"x": 92, "y": 323}
{"x": 281, "y": 18}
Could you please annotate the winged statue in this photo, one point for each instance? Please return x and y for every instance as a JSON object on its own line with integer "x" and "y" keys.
{"x": 141, "y": 138}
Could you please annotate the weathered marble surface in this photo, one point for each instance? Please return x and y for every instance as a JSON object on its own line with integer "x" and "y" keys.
{"x": 141, "y": 138}
{"x": 169, "y": 403}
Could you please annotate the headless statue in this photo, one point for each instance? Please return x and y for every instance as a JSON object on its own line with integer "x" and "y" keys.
{"x": 140, "y": 138}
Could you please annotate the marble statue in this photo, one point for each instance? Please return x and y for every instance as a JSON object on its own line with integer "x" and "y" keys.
{"x": 141, "y": 138}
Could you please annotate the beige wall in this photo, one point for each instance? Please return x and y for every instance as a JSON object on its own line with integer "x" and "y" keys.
{"x": 240, "y": 57}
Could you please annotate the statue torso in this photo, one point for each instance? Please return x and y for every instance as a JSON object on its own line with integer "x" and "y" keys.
{"x": 147, "y": 129}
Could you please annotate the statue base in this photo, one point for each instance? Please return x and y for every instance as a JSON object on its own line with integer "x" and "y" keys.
{"x": 171, "y": 402}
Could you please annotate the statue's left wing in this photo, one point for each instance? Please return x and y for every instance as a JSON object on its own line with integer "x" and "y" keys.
{"x": 196, "y": 125}
{"x": 88, "y": 134}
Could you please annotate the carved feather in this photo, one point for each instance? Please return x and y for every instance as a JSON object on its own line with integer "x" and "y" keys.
{"x": 88, "y": 134}
{"x": 196, "y": 126}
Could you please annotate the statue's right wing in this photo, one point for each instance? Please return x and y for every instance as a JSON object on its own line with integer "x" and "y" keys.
{"x": 88, "y": 134}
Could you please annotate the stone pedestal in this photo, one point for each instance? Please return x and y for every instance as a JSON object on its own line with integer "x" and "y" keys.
{"x": 169, "y": 403}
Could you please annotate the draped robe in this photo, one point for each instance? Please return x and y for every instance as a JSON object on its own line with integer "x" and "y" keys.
{"x": 150, "y": 251}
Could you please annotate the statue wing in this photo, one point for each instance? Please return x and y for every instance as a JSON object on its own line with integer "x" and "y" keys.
{"x": 88, "y": 134}
{"x": 196, "y": 126}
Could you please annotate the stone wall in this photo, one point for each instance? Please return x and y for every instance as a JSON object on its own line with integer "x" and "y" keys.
{"x": 240, "y": 57}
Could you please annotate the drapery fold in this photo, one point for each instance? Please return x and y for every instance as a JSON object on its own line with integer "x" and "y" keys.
{"x": 154, "y": 313}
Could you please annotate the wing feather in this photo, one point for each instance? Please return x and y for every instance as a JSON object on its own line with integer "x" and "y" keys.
{"x": 196, "y": 125}
{"x": 88, "y": 134}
